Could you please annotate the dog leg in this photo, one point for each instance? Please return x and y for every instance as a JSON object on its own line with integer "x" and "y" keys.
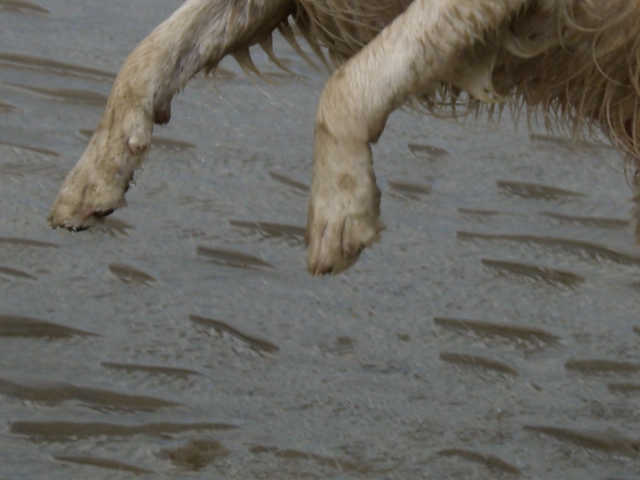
{"x": 417, "y": 50}
{"x": 198, "y": 35}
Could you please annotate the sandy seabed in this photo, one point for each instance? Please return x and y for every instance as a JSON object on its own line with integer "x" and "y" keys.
{"x": 492, "y": 333}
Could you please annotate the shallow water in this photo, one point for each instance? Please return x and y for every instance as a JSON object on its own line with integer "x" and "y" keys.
{"x": 492, "y": 333}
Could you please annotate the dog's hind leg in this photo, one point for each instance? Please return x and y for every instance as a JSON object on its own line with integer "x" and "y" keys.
{"x": 198, "y": 35}
{"x": 420, "y": 48}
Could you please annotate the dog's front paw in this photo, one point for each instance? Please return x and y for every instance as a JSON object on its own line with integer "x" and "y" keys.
{"x": 85, "y": 197}
{"x": 95, "y": 187}
{"x": 340, "y": 225}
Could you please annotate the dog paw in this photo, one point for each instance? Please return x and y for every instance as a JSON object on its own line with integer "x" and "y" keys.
{"x": 85, "y": 198}
{"x": 95, "y": 187}
{"x": 339, "y": 227}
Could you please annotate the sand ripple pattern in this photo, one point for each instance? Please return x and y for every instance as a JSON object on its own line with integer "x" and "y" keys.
{"x": 492, "y": 333}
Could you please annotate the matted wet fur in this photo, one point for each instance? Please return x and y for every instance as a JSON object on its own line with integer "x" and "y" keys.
{"x": 575, "y": 62}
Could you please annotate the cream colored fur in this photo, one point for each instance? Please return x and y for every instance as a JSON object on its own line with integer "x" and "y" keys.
{"x": 577, "y": 62}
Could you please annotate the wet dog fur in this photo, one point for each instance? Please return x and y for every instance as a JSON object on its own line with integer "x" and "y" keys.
{"x": 575, "y": 62}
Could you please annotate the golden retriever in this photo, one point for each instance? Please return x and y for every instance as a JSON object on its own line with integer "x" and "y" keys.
{"x": 575, "y": 61}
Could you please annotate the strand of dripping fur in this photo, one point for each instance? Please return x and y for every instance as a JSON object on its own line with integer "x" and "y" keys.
{"x": 600, "y": 90}
{"x": 339, "y": 28}
{"x": 575, "y": 62}
{"x": 525, "y": 61}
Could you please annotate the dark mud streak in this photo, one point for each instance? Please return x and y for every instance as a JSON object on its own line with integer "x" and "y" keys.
{"x": 506, "y": 330}
{"x": 22, "y": 6}
{"x": 77, "y": 96}
{"x": 129, "y": 274}
{"x": 195, "y": 454}
{"x": 602, "y": 366}
{"x": 599, "y": 222}
{"x": 607, "y": 441}
{"x": 251, "y": 340}
{"x": 106, "y": 463}
{"x": 428, "y": 151}
{"x": 624, "y": 388}
{"x": 14, "y": 273}
{"x": 22, "y": 168}
{"x": 61, "y": 430}
{"x": 474, "y": 211}
{"x": 42, "y": 151}
{"x": 290, "y": 181}
{"x": 359, "y": 467}
{"x": 232, "y": 258}
{"x": 54, "y": 393}
{"x": 40, "y": 63}
{"x": 342, "y": 345}
{"x": 535, "y": 190}
{"x": 269, "y": 229}
{"x": 593, "y": 250}
{"x": 150, "y": 369}
{"x": 409, "y": 188}
{"x": 481, "y": 361}
{"x": 488, "y": 460}
{"x": 26, "y": 242}
{"x": 537, "y": 272}
{"x": 19, "y": 326}
{"x": 8, "y": 108}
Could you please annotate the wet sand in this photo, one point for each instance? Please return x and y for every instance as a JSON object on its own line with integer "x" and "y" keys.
{"x": 492, "y": 333}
